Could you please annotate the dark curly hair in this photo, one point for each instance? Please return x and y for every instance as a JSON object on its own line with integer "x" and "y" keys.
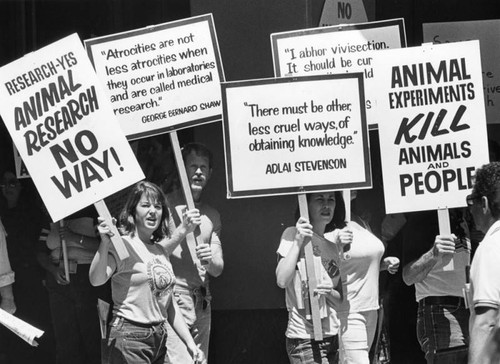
{"x": 487, "y": 183}
{"x": 126, "y": 222}
{"x": 338, "y": 220}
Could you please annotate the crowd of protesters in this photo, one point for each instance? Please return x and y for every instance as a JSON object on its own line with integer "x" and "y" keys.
{"x": 160, "y": 296}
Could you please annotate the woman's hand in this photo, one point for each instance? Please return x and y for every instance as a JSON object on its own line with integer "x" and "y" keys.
{"x": 104, "y": 230}
{"x": 197, "y": 355}
{"x": 191, "y": 219}
{"x": 391, "y": 264}
{"x": 304, "y": 230}
{"x": 345, "y": 236}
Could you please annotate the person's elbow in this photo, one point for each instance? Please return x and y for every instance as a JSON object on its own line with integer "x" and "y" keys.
{"x": 217, "y": 271}
{"x": 96, "y": 281}
{"x": 282, "y": 280}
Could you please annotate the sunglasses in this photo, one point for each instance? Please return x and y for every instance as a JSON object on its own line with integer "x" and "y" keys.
{"x": 471, "y": 198}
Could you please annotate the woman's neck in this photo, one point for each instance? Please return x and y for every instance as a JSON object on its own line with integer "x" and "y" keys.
{"x": 319, "y": 228}
{"x": 144, "y": 236}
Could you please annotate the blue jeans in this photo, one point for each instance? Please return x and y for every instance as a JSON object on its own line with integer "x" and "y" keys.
{"x": 196, "y": 310}
{"x": 133, "y": 343}
{"x": 443, "y": 332}
{"x": 306, "y": 351}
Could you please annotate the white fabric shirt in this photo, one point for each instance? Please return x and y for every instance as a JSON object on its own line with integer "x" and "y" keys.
{"x": 485, "y": 270}
{"x": 360, "y": 273}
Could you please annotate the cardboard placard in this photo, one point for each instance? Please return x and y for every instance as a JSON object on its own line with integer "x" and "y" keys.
{"x": 486, "y": 31}
{"x": 64, "y": 129}
{"x": 161, "y": 78}
{"x": 338, "y": 50}
{"x": 295, "y": 135}
{"x": 435, "y": 135}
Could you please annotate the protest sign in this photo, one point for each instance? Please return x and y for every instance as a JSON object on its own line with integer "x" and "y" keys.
{"x": 64, "y": 129}
{"x": 161, "y": 78}
{"x": 337, "y": 12}
{"x": 435, "y": 133}
{"x": 338, "y": 50}
{"x": 291, "y": 135}
{"x": 486, "y": 31}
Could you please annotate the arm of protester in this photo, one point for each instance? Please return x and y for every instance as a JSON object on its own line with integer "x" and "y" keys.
{"x": 104, "y": 264}
{"x": 417, "y": 270}
{"x": 176, "y": 321}
{"x": 190, "y": 220}
{"x": 7, "y": 302}
{"x": 482, "y": 324}
{"x": 390, "y": 264}
{"x": 285, "y": 270}
{"x": 211, "y": 253}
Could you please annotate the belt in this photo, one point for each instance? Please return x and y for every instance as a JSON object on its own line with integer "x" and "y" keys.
{"x": 442, "y": 300}
{"x": 117, "y": 320}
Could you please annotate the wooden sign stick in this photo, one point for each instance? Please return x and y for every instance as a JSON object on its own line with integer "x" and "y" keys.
{"x": 116, "y": 239}
{"x": 311, "y": 274}
{"x": 64, "y": 253}
{"x": 181, "y": 168}
{"x": 445, "y": 229}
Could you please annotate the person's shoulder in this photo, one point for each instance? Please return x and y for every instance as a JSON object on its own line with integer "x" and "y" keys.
{"x": 209, "y": 210}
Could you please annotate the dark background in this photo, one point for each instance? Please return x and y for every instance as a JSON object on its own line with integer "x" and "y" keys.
{"x": 249, "y": 317}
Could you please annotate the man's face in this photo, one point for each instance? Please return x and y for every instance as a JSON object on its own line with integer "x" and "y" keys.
{"x": 10, "y": 186}
{"x": 198, "y": 171}
{"x": 474, "y": 203}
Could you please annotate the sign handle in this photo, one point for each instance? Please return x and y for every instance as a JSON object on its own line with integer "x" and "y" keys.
{"x": 445, "y": 229}
{"x": 346, "y": 194}
{"x": 64, "y": 253}
{"x": 103, "y": 212}
{"x": 311, "y": 274}
{"x": 191, "y": 237}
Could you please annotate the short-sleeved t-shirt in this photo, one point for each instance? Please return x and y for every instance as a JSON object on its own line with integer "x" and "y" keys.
{"x": 142, "y": 283}
{"x": 299, "y": 327}
{"x": 360, "y": 273}
{"x": 418, "y": 238}
{"x": 485, "y": 270}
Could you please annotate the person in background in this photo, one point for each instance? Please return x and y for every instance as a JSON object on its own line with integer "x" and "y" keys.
{"x": 484, "y": 205}
{"x": 326, "y": 213}
{"x": 360, "y": 269}
{"x": 142, "y": 284}
{"x": 7, "y": 302}
{"x": 192, "y": 291}
{"x": 21, "y": 211}
{"x": 6, "y": 280}
{"x": 442, "y": 318}
{"x": 73, "y": 302}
